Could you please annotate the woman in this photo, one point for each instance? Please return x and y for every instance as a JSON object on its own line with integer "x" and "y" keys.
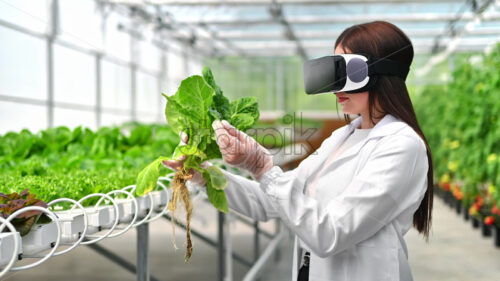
{"x": 351, "y": 202}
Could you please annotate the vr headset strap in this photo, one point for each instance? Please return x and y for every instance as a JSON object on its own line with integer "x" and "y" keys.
{"x": 387, "y": 67}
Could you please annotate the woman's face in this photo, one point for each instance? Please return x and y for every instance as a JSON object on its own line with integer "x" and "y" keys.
{"x": 352, "y": 103}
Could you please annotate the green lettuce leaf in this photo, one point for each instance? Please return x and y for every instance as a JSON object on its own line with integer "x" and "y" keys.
{"x": 244, "y": 113}
{"x": 216, "y": 177}
{"x": 148, "y": 177}
{"x": 221, "y": 109}
{"x": 215, "y": 194}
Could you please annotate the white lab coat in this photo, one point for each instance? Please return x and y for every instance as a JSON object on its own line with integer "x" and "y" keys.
{"x": 363, "y": 205}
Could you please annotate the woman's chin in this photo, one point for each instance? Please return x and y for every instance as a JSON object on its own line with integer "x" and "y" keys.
{"x": 350, "y": 112}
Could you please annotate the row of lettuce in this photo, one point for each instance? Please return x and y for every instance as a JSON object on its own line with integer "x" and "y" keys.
{"x": 461, "y": 121}
{"x": 72, "y": 163}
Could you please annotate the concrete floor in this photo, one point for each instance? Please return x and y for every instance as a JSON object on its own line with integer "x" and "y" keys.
{"x": 455, "y": 252}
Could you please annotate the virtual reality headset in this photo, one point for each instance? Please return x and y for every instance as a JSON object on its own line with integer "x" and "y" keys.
{"x": 350, "y": 73}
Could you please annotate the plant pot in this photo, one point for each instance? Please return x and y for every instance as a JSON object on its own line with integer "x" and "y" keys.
{"x": 445, "y": 198}
{"x": 496, "y": 235}
{"x": 438, "y": 191}
{"x": 466, "y": 213}
{"x": 435, "y": 191}
{"x": 485, "y": 229}
{"x": 475, "y": 222}
{"x": 450, "y": 200}
{"x": 458, "y": 206}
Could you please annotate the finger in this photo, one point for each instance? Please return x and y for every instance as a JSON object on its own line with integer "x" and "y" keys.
{"x": 184, "y": 138}
{"x": 181, "y": 158}
{"x": 205, "y": 164}
{"x": 217, "y": 125}
{"x": 226, "y": 142}
{"x": 221, "y": 134}
{"x": 222, "y": 138}
{"x": 242, "y": 137}
{"x": 173, "y": 164}
{"x": 227, "y": 125}
{"x": 197, "y": 178}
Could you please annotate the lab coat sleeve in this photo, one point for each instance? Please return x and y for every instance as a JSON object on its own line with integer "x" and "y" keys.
{"x": 392, "y": 180}
{"x": 245, "y": 196}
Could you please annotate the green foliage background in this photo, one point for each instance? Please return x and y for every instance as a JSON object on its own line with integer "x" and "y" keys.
{"x": 461, "y": 120}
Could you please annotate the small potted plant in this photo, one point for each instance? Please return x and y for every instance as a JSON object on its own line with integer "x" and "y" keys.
{"x": 474, "y": 214}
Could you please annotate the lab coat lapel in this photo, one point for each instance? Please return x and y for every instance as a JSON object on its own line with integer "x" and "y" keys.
{"x": 388, "y": 125}
{"x": 334, "y": 142}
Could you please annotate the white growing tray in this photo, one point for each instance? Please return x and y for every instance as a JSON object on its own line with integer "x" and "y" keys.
{"x": 40, "y": 238}
{"x": 125, "y": 209}
{"x": 43, "y": 237}
{"x": 159, "y": 199}
{"x": 7, "y": 247}
{"x": 72, "y": 225}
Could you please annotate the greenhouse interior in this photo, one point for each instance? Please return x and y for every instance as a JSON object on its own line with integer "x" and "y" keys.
{"x": 249, "y": 140}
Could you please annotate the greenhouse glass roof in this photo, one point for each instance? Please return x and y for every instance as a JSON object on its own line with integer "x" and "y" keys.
{"x": 309, "y": 28}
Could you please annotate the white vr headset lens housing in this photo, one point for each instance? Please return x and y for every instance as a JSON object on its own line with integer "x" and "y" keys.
{"x": 356, "y": 72}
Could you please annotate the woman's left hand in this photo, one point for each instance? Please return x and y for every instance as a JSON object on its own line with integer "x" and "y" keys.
{"x": 177, "y": 164}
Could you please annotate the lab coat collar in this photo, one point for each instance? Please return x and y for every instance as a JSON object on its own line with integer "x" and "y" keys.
{"x": 387, "y": 126}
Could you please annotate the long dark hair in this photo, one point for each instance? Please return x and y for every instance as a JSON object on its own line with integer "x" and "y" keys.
{"x": 381, "y": 39}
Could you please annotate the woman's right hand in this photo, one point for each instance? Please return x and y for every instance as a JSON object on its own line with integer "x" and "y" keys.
{"x": 241, "y": 150}
{"x": 178, "y": 163}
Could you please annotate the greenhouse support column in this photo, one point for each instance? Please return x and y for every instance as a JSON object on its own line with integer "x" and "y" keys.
{"x": 162, "y": 83}
{"x": 220, "y": 247}
{"x": 133, "y": 77}
{"x": 54, "y": 26}
{"x": 228, "y": 247}
{"x": 143, "y": 252}
{"x": 98, "y": 69}
{"x": 133, "y": 91}
{"x": 298, "y": 88}
{"x": 243, "y": 69}
{"x": 269, "y": 89}
{"x": 256, "y": 241}
{"x": 277, "y": 230}
{"x": 98, "y": 81}
{"x": 289, "y": 87}
{"x": 50, "y": 83}
{"x": 280, "y": 86}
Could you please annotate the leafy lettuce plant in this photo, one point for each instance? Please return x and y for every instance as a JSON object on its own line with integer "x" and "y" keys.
{"x": 9, "y": 203}
{"x": 192, "y": 109}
